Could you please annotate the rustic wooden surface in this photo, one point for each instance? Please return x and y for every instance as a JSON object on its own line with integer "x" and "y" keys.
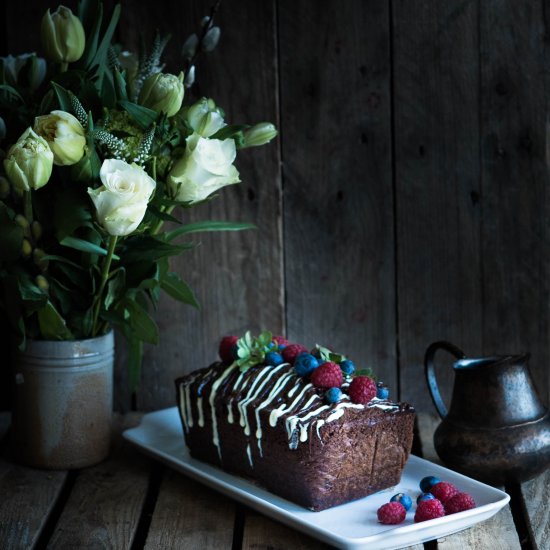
{"x": 132, "y": 502}
{"x": 404, "y": 201}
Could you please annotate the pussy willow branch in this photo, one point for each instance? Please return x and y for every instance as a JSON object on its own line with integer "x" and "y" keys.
{"x": 204, "y": 32}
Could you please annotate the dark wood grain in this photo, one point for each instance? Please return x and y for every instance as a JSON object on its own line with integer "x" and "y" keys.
{"x": 436, "y": 82}
{"x": 535, "y": 497}
{"x": 338, "y": 201}
{"x": 105, "y": 503}
{"x": 237, "y": 276}
{"x": 515, "y": 181}
{"x": 27, "y": 498}
{"x": 189, "y": 515}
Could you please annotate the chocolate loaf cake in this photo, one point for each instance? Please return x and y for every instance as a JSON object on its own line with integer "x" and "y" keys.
{"x": 274, "y": 425}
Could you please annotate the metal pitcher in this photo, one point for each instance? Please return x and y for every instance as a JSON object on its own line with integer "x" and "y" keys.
{"x": 496, "y": 429}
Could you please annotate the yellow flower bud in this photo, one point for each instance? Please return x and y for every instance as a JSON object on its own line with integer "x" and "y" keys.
{"x": 26, "y": 248}
{"x": 64, "y": 134}
{"x": 162, "y": 92}
{"x": 42, "y": 283}
{"x": 37, "y": 255}
{"x": 23, "y": 223}
{"x": 36, "y": 230}
{"x": 62, "y": 35}
{"x": 259, "y": 134}
{"x": 29, "y": 162}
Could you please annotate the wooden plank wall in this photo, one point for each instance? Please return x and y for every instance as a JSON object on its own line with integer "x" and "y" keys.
{"x": 405, "y": 200}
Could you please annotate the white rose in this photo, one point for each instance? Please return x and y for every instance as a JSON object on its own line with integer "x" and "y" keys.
{"x": 64, "y": 134}
{"x": 121, "y": 202}
{"x": 206, "y": 166}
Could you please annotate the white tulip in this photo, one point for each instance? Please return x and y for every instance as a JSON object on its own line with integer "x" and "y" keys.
{"x": 64, "y": 134}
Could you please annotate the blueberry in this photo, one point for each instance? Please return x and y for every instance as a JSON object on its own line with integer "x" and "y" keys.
{"x": 404, "y": 499}
{"x": 382, "y": 392}
{"x": 424, "y": 496}
{"x": 333, "y": 395}
{"x": 305, "y": 364}
{"x": 347, "y": 366}
{"x": 273, "y": 358}
{"x": 426, "y": 483}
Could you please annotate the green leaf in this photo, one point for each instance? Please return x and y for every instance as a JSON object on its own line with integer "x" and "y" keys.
{"x": 63, "y": 97}
{"x": 142, "y": 248}
{"x": 101, "y": 53}
{"x": 52, "y": 325}
{"x": 90, "y": 12}
{"x": 154, "y": 211}
{"x": 120, "y": 85}
{"x": 208, "y": 226}
{"x": 229, "y": 131}
{"x": 143, "y": 327}
{"x": 178, "y": 289}
{"x": 115, "y": 287}
{"x": 85, "y": 246}
{"x": 365, "y": 372}
{"x": 71, "y": 211}
{"x": 12, "y": 92}
{"x": 142, "y": 115}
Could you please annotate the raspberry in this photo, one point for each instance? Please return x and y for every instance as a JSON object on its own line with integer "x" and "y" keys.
{"x": 459, "y": 503}
{"x": 391, "y": 513}
{"x": 227, "y": 348}
{"x": 328, "y": 375}
{"x": 292, "y": 351}
{"x": 362, "y": 389}
{"x": 443, "y": 491}
{"x": 429, "y": 509}
{"x": 280, "y": 341}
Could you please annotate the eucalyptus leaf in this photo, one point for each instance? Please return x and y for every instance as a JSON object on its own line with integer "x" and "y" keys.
{"x": 148, "y": 248}
{"x": 143, "y": 327}
{"x": 63, "y": 97}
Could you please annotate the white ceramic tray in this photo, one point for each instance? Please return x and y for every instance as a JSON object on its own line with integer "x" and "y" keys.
{"x": 353, "y": 525}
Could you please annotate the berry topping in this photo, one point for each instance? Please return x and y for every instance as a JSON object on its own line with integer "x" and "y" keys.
{"x": 443, "y": 491}
{"x": 404, "y": 499}
{"x": 362, "y": 389}
{"x": 280, "y": 341}
{"x": 228, "y": 348}
{"x": 347, "y": 366}
{"x": 391, "y": 513}
{"x": 328, "y": 375}
{"x": 382, "y": 392}
{"x": 429, "y": 509}
{"x": 427, "y": 482}
{"x": 273, "y": 358}
{"x": 424, "y": 496}
{"x": 304, "y": 364}
{"x": 459, "y": 503}
{"x": 333, "y": 395}
{"x": 292, "y": 351}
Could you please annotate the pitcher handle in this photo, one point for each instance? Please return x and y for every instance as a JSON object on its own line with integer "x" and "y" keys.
{"x": 429, "y": 370}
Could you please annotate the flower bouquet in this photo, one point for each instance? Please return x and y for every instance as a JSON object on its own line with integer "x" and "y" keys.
{"x": 100, "y": 150}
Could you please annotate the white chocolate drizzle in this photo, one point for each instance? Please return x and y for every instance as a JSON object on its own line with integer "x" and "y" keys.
{"x": 301, "y": 414}
{"x": 215, "y": 386}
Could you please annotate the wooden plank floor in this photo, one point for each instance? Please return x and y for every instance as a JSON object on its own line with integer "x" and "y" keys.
{"x": 132, "y": 502}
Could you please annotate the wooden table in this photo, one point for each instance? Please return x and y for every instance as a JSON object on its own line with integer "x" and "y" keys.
{"x": 131, "y": 501}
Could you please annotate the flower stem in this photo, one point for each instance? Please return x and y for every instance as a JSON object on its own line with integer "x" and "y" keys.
{"x": 63, "y": 67}
{"x": 158, "y": 226}
{"x": 104, "y": 278}
{"x": 28, "y": 205}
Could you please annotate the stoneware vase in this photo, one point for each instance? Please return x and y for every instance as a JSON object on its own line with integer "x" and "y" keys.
{"x": 63, "y": 402}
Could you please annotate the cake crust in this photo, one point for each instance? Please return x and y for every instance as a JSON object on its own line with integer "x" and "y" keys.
{"x": 272, "y": 426}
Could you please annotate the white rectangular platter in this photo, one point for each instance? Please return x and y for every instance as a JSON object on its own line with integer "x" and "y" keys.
{"x": 350, "y": 526}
